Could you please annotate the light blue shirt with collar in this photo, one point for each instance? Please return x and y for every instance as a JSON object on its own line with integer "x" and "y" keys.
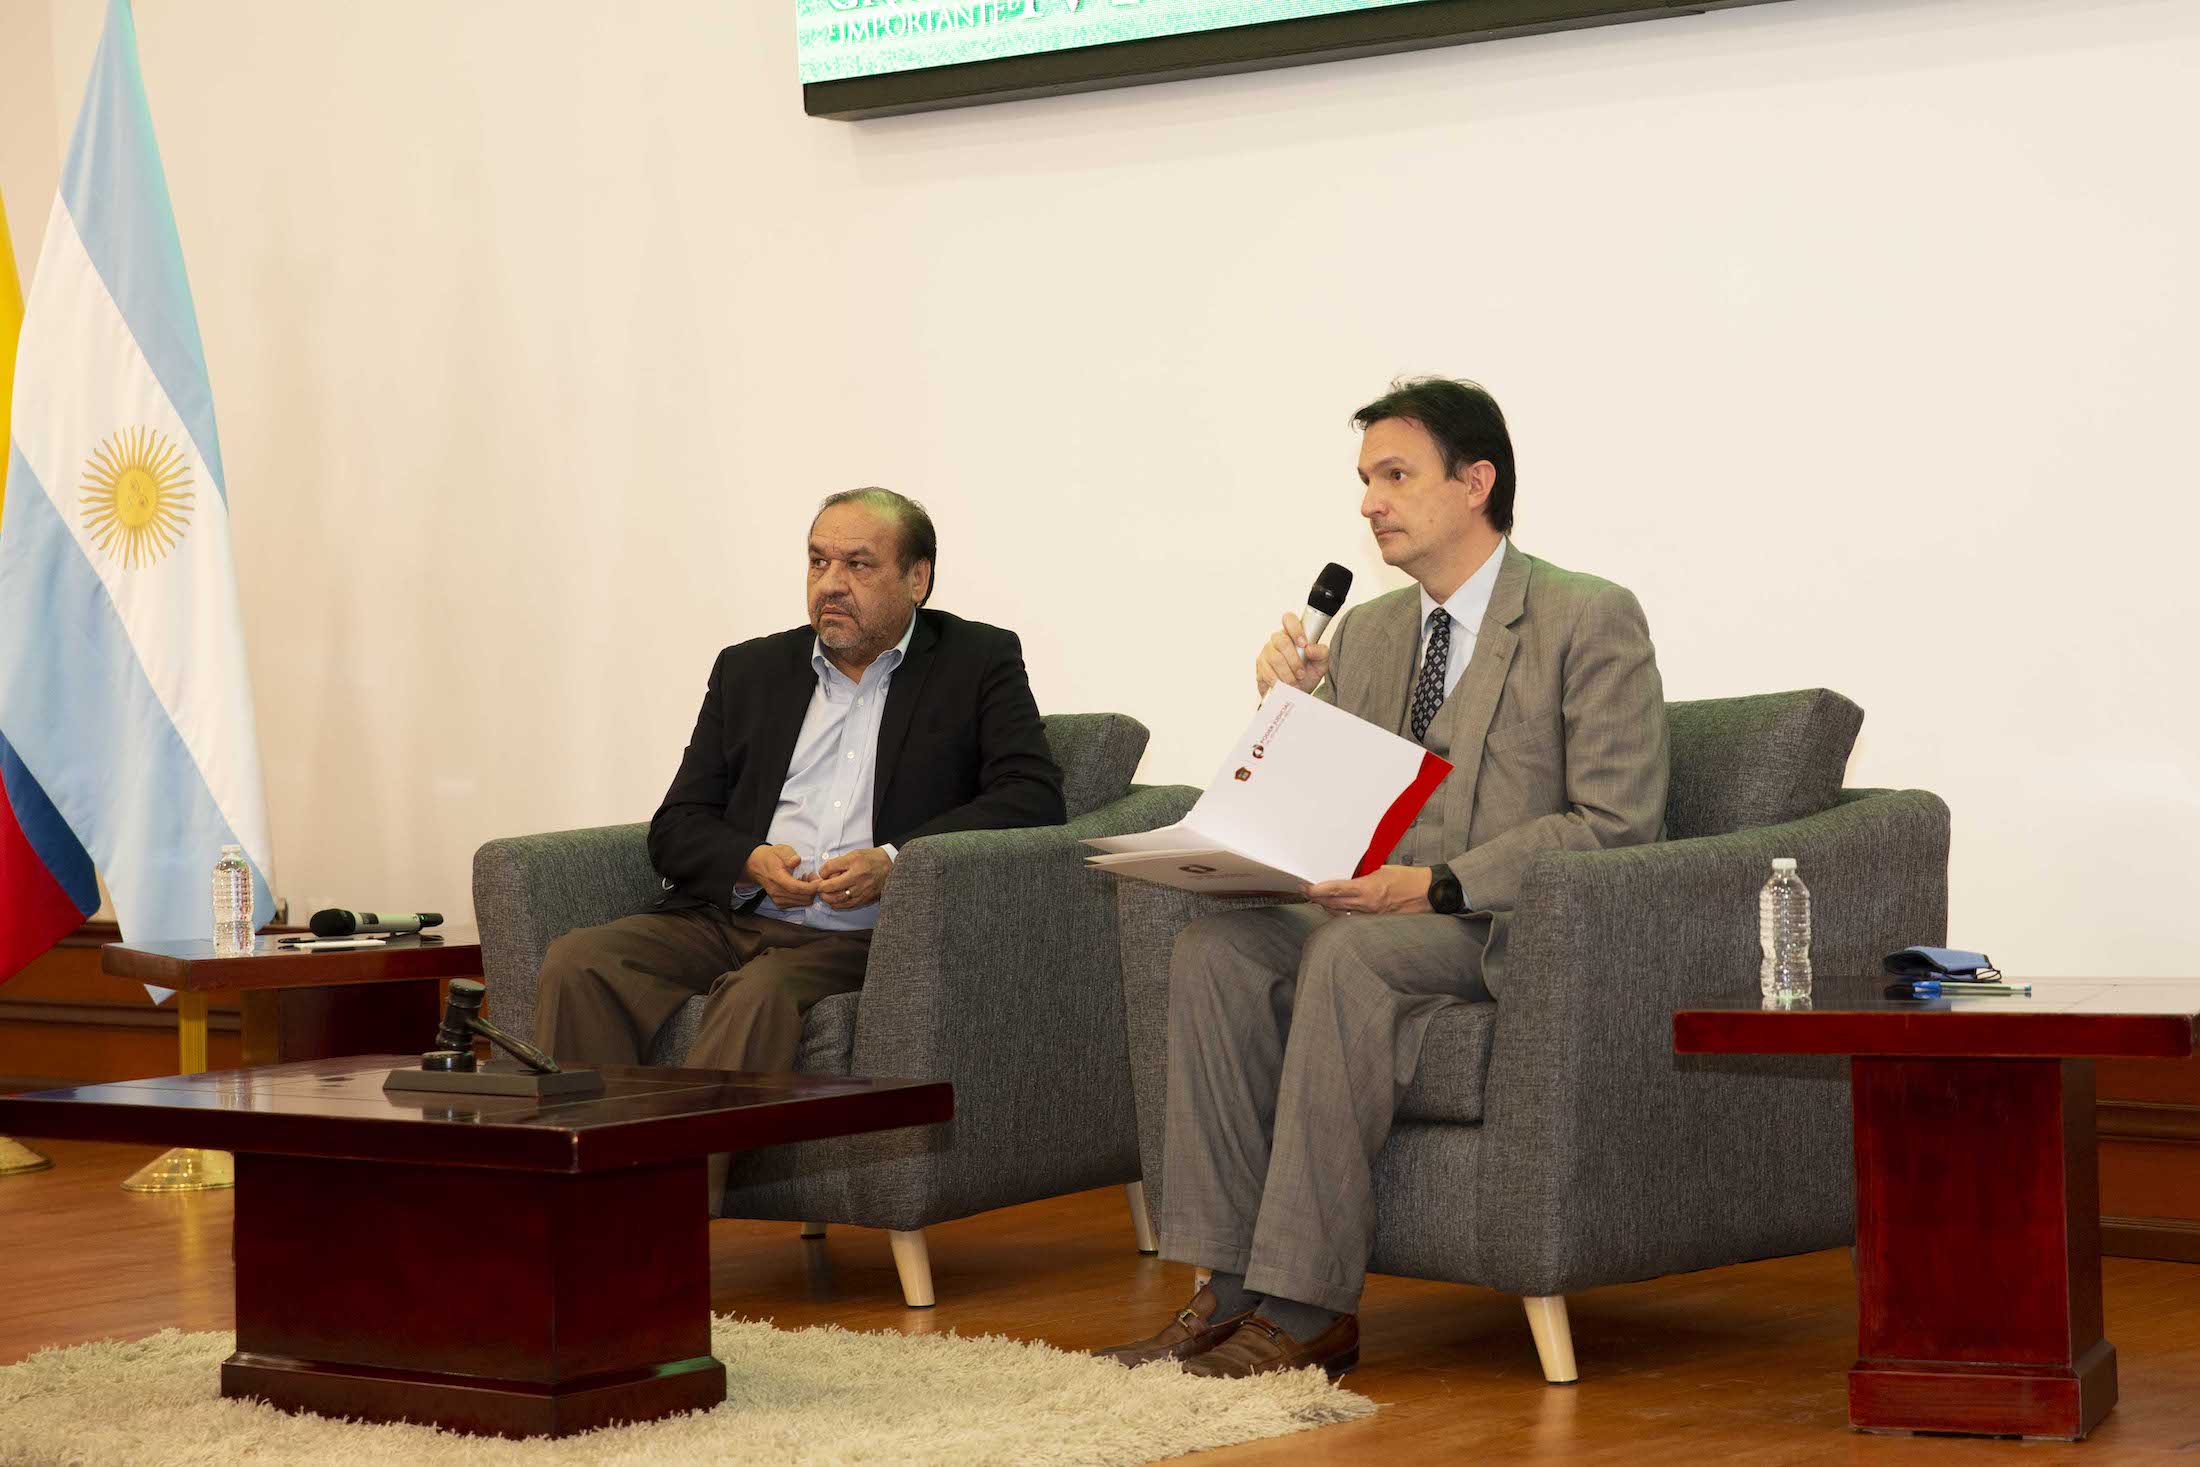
{"x": 824, "y": 805}
{"x": 1466, "y": 609}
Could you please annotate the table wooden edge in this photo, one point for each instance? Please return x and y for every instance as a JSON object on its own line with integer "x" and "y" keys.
{"x": 654, "y": 1141}
{"x": 287, "y": 970}
{"x": 1938, "y": 1032}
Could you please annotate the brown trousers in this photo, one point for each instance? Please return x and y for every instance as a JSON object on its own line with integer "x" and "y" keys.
{"x": 604, "y": 992}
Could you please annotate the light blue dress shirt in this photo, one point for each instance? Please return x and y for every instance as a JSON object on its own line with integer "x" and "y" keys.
{"x": 825, "y": 801}
{"x": 1466, "y": 608}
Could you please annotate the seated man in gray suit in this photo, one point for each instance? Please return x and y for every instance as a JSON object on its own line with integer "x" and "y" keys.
{"x": 1293, "y": 1029}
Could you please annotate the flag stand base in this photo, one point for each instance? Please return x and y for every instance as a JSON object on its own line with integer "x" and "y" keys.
{"x": 185, "y": 1169}
{"x": 16, "y": 1157}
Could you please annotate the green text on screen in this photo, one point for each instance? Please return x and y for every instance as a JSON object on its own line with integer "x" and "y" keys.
{"x": 849, "y": 38}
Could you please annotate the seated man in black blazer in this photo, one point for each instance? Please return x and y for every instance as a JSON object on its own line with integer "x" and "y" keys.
{"x": 818, "y": 754}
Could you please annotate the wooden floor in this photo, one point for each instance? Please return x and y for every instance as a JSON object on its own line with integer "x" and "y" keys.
{"x": 1742, "y": 1365}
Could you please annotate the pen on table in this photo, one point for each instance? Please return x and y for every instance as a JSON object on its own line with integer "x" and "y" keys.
{"x": 1936, "y": 988}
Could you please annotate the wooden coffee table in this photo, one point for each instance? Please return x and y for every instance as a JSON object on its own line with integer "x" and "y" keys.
{"x": 1978, "y": 1216}
{"x": 487, "y": 1265}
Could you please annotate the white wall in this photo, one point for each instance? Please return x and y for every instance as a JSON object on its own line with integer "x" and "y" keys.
{"x": 1855, "y": 335}
{"x": 30, "y": 158}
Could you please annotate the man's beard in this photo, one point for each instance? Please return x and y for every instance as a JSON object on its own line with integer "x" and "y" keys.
{"x": 845, "y": 636}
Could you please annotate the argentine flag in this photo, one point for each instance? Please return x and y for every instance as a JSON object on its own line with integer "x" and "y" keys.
{"x": 123, "y": 686}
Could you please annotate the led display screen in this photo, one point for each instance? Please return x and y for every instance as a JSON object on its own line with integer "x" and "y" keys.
{"x": 844, "y": 38}
{"x": 874, "y": 58}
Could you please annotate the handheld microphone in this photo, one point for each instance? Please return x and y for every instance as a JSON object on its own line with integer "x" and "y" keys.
{"x": 1322, "y": 603}
{"x": 336, "y": 922}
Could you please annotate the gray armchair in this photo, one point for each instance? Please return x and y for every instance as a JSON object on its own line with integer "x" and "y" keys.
{"x": 1551, "y": 1141}
{"x": 993, "y": 966}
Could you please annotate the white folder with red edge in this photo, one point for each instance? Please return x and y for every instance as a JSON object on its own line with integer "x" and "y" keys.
{"x": 1308, "y": 793}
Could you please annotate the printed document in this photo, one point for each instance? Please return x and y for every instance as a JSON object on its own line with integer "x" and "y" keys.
{"x": 1308, "y": 793}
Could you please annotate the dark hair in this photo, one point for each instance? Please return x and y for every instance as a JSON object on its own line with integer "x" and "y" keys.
{"x": 1467, "y": 425}
{"x": 919, "y": 541}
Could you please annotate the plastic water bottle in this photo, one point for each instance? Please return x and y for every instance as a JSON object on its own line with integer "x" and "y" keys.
{"x": 1783, "y": 927}
{"x": 232, "y": 903}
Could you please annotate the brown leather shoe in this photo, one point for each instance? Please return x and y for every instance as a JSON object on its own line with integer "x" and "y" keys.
{"x": 1193, "y": 1332}
{"x": 1258, "y": 1347}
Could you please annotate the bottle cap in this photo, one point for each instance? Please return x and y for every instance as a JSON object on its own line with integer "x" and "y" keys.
{"x": 232, "y": 850}
{"x": 1783, "y": 863}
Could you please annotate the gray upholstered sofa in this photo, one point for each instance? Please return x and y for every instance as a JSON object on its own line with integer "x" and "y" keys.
{"x": 993, "y": 967}
{"x": 1551, "y": 1141}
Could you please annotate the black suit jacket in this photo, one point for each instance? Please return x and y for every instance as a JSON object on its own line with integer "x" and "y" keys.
{"x": 959, "y": 748}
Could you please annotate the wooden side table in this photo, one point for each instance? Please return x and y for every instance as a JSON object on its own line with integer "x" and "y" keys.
{"x": 1978, "y": 1218}
{"x": 296, "y": 1006}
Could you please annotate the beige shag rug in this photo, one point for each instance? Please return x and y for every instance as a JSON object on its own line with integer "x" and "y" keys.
{"x": 793, "y": 1396}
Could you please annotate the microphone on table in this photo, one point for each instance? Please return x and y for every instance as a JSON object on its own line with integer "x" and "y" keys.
{"x": 462, "y": 1021}
{"x": 336, "y": 922}
{"x": 1325, "y": 600}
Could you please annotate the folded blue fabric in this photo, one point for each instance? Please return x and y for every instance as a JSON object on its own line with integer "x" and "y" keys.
{"x": 1937, "y": 962}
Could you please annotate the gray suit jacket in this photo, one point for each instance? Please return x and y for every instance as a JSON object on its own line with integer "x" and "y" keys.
{"x": 1556, "y": 730}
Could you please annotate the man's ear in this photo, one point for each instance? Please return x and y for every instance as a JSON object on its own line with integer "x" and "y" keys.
{"x": 1479, "y": 478}
{"x": 921, "y": 591}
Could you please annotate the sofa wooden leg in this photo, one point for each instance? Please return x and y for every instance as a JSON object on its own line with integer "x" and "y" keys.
{"x": 813, "y": 1230}
{"x": 1141, "y": 1222}
{"x": 1554, "y": 1338}
{"x": 914, "y": 1263}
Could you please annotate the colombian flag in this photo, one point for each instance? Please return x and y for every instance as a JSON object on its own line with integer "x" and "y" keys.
{"x": 46, "y": 884}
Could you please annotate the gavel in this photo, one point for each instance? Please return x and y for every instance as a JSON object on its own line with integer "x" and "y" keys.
{"x": 454, "y": 1039}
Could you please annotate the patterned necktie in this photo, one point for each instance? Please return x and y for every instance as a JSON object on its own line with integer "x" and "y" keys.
{"x": 1428, "y": 694}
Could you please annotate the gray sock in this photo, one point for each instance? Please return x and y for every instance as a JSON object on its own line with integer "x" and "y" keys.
{"x": 1302, "y": 1322}
{"x": 1230, "y": 1295}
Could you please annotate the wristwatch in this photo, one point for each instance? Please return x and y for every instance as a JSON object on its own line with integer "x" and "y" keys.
{"x": 1444, "y": 894}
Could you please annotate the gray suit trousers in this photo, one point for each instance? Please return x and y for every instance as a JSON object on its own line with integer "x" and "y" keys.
{"x": 1292, "y": 1034}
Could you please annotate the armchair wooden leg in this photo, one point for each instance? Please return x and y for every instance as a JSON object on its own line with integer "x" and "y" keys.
{"x": 1141, "y": 1222}
{"x": 914, "y": 1263}
{"x": 1554, "y": 1338}
{"x": 813, "y": 1230}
